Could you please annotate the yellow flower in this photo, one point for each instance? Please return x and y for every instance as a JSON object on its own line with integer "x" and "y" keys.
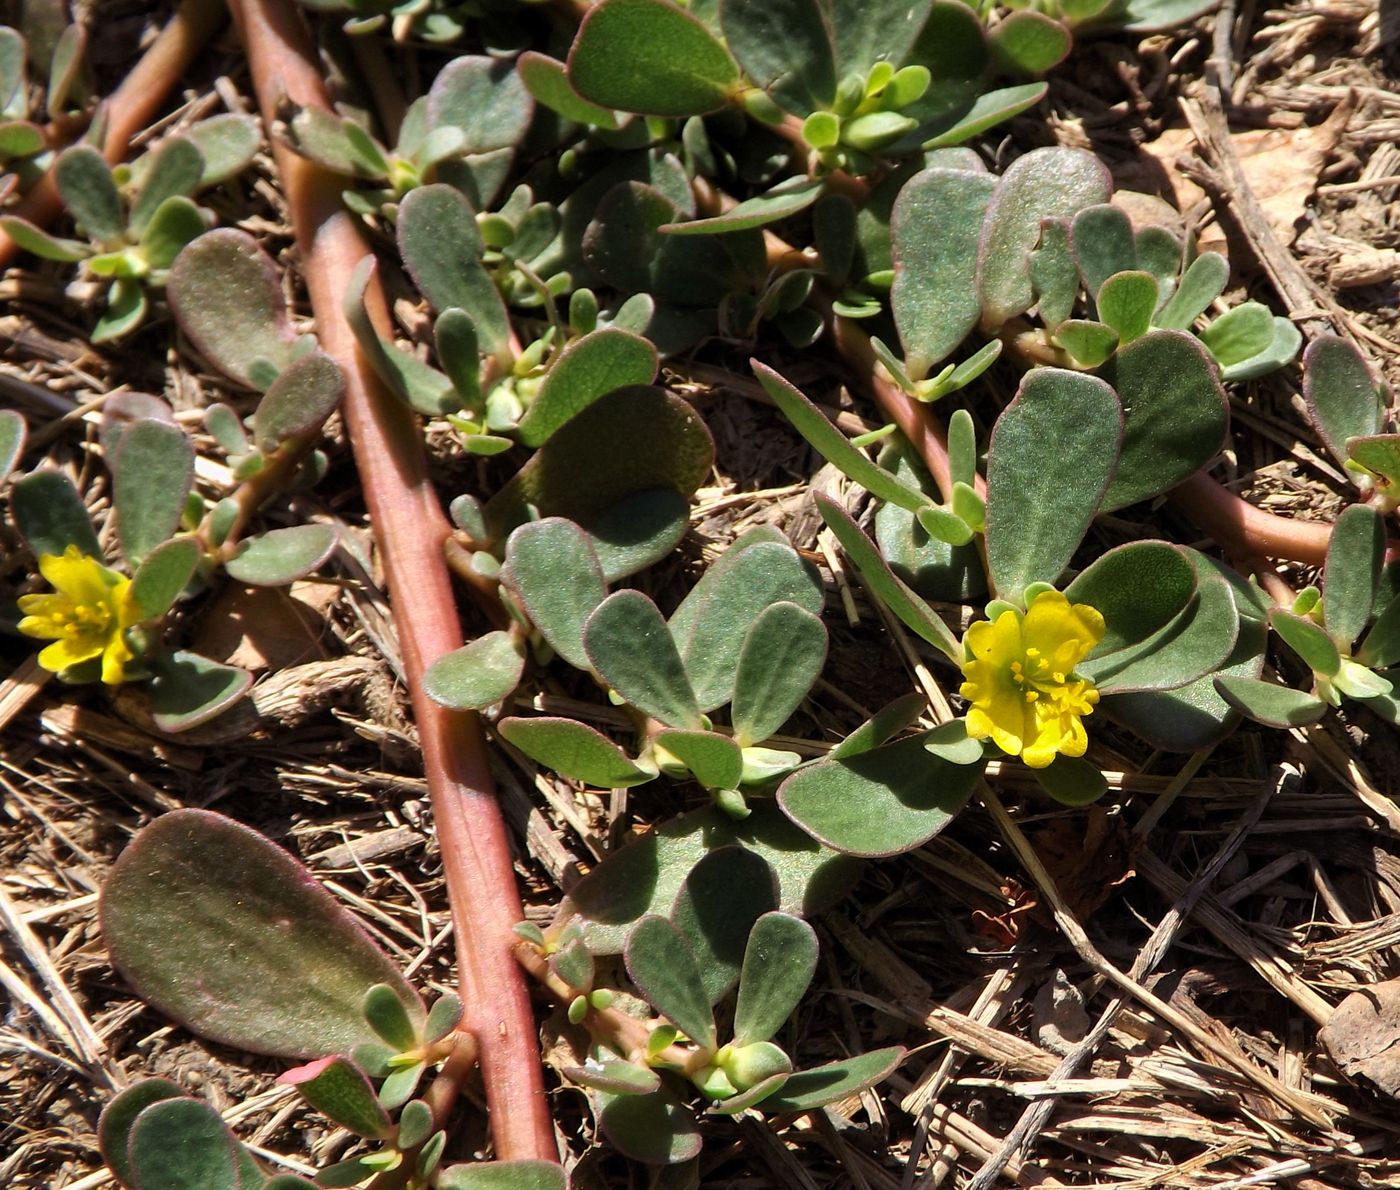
{"x": 85, "y": 619}
{"x": 1021, "y": 683}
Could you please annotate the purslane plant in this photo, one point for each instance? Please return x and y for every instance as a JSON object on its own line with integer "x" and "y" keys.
{"x": 565, "y": 248}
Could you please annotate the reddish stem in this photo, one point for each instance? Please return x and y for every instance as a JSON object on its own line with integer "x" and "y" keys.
{"x": 131, "y": 106}
{"x": 411, "y": 530}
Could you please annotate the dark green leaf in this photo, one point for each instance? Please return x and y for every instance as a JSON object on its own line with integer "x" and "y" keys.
{"x": 936, "y": 228}
{"x": 662, "y": 965}
{"x": 882, "y": 802}
{"x": 1355, "y": 555}
{"x": 1139, "y": 588}
{"x": 1029, "y": 42}
{"x": 587, "y": 369}
{"x": 304, "y": 394}
{"x": 486, "y": 98}
{"x": 1269, "y": 703}
{"x": 338, "y": 1089}
{"x": 987, "y": 111}
{"x": 1044, "y": 184}
{"x": 1175, "y": 414}
{"x": 84, "y": 182}
{"x": 783, "y": 201}
{"x": 1103, "y": 243}
{"x": 120, "y": 1115}
{"x": 782, "y": 656}
{"x": 504, "y": 1175}
{"x": 714, "y": 760}
{"x": 175, "y": 170}
{"x": 1345, "y": 398}
{"x": 552, "y": 569}
{"x": 882, "y": 581}
{"x": 650, "y": 56}
{"x": 630, "y": 645}
{"x": 784, "y": 47}
{"x": 281, "y": 556}
{"x": 226, "y": 295}
{"x": 176, "y": 1144}
{"x": 1382, "y": 646}
{"x": 227, "y": 144}
{"x": 810, "y": 1089}
{"x": 1054, "y": 274}
{"x": 886, "y": 723}
{"x": 1052, "y": 454}
{"x": 481, "y": 673}
{"x": 164, "y": 574}
{"x": 1072, "y": 781}
{"x": 651, "y": 1128}
{"x": 546, "y": 79}
{"x": 615, "y": 1076}
{"x": 779, "y": 962}
{"x": 51, "y": 516}
{"x": 152, "y": 474}
{"x": 189, "y": 690}
{"x": 729, "y": 890}
{"x": 1308, "y": 640}
{"x": 268, "y": 961}
{"x": 176, "y": 223}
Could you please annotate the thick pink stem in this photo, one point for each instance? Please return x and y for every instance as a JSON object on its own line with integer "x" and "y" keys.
{"x": 411, "y": 530}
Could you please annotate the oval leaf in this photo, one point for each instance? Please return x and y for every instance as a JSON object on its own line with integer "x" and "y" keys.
{"x": 152, "y": 474}
{"x": 1355, "y": 555}
{"x": 574, "y": 750}
{"x": 714, "y": 760}
{"x": 179, "y": 1143}
{"x": 1344, "y": 396}
{"x": 1139, "y": 588}
{"x": 810, "y": 1089}
{"x": 304, "y": 394}
{"x": 268, "y": 960}
{"x": 662, "y": 965}
{"x": 164, "y": 574}
{"x": 50, "y": 515}
{"x": 587, "y": 369}
{"x": 1269, "y": 703}
{"x": 630, "y": 645}
{"x": 337, "y": 1088}
{"x": 729, "y": 890}
{"x": 779, "y": 962}
{"x": 782, "y": 656}
{"x": 477, "y": 675}
{"x": 552, "y": 569}
{"x": 280, "y": 557}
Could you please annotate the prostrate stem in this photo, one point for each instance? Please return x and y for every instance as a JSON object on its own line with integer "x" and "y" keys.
{"x": 411, "y": 529}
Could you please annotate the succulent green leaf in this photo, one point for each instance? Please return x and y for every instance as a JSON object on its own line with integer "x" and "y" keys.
{"x": 886, "y": 723}
{"x": 1239, "y": 334}
{"x": 281, "y": 556}
{"x": 179, "y": 1143}
{"x": 548, "y": 81}
{"x": 1381, "y": 648}
{"x": 36, "y": 240}
{"x": 486, "y": 98}
{"x": 1355, "y": 554}
{"x": 1175, "y": 411}
{"x": 785, "y": 48}
{"x": 645, "y": 876}
{"x": 175, "y": 223}
{"x": 935, "y": 231}
{"x": 444, "y": 1016}
{"x": 650, "y": 1128}
{"x": 50, "y": 514}
{"x": 504, "y": 1175}
{"x": 650, "y": 56}
{"x": 661, "y": 963}
{"x": 338, "y": 1089}
{"x": 164, "y": 574}
{"x": 1345, "y": 398}
{"x": 226, "y": 145}
{"x": 808, "y": 1090}
{"x": 477, "y": 675}
{"x": 614, "y": 1076}
{"x": 152, "y": 474}
{"x": 1126, "y": 302}
{"x": 304, "y": 394}
{"x": 712, "y": 625}
{"x": 630, "y": 645}
{"x": 587, "y": 369}
{"x": 786, "y": 199}
{"x": 1281, "y": 350}
{"x": 389, "y": 1019}
{"x": 1159, "y": 253}
{"x": 120, "y": 1115}
{"x": 780, "y": 959}
{"x": 714, "y": 760}
{"x": 441, "y": 248}
{"x": 833, "y": 445}
{"x": 1380, "y": 455}
{"x": 326, "y": 139}
{"x": 884, "y": 583}
{"x": 85, "y": 184}
{"x": 1203, "y": 282}
{"x": 987, "y": 111}
{"x": 1191, "y": 645}
{"x": 189, "y": 690}
{"x": 66, "y": 67}
{"x": 868, "y": 32}
{"x": 126, "y": 308}
{"x": 1046, "y": 183}
{"x": 882, "y": 802}
{"x": 574, "y": 751}
{"x": 13, "y": 52}
{"x": 175, "y": 170}
{"x": 1054, "y": 273}
{"x": 591, "y": 471}
{"x": 781, "y": 657}
{"x": 1052, "y": 455}
{"x": 1139, "y": 588}
{"x": 729, "y": 890}
{"x": 288, "y": 1181}
{"x": 1102, "y": 240}
{"x": 459, "y": 352}
{"x": 1029, "y": 42}
{"x": 1088, "y": 341}
{"x": 1148, "y": 16}
{"x": 226, "y": 295}
{"x": 1307, "y": 639}
{"x": 552, "y": 569}
{"x": 1072, "y": 781}
{"x": 1270, "y": 703}
{"x": 268, "y": 960}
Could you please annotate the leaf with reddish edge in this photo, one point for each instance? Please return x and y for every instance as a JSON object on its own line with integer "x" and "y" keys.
{"x": 222, "y": 930}
{"x": 338, "y": 1089}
